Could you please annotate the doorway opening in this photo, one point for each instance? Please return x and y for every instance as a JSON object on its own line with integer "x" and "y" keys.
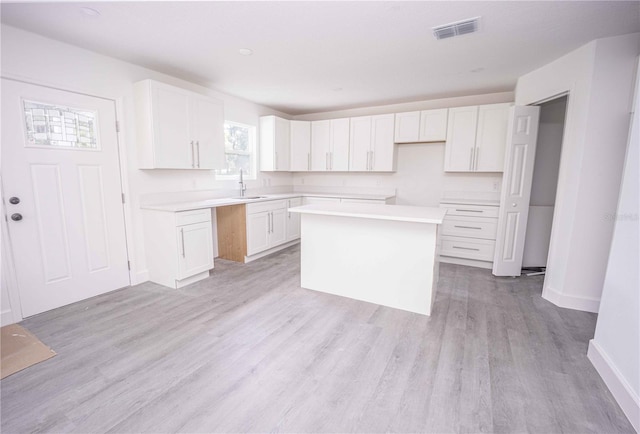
{"x": 544, "y": 185}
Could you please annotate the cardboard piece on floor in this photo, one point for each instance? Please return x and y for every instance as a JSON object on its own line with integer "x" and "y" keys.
{"x": 19, "y": 349}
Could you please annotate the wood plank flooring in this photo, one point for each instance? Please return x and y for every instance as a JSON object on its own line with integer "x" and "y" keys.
{"x": 248, "y": 350}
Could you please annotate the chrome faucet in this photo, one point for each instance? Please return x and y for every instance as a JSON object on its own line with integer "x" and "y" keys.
{"x": 243, "y": 186}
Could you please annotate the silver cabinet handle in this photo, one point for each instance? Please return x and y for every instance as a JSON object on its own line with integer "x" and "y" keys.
{"x": 475, "y": 164}
{"x": 469, "y": 210}
{"x": 182, "y": 241}
{"x": 193, "y": 155}
{"x": 198, "y": 151}
{"x": 466, "y": 248}
{"x": 471, "y": 159}
{"x": 467, "y": 227}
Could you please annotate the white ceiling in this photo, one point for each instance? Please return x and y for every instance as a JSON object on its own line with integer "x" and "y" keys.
{"x": 375, "y": 52}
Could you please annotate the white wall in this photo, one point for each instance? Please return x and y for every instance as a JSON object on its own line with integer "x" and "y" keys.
{"x": 37, "y": 59}
{"x": 615, "y": 348}
{"x": 419, "y": 178}
{"x": 599, "y": 78}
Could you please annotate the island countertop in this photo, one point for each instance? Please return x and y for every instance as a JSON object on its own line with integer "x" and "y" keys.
{"x": 416, "y": 214}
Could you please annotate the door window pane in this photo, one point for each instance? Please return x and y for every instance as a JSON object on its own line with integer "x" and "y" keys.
{"x": 59, "y": 126}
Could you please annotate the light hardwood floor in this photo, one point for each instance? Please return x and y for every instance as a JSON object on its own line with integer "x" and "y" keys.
{"x": 249, "y": 350}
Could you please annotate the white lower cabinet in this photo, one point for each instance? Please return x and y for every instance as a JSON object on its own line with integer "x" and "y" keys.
{"x": 293, "y": 220}
{"x": 179, "y": 246}
{"x": 468, "y": 233}
{"x": 266, "y": 225}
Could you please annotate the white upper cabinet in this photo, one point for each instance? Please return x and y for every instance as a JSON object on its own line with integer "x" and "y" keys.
{"x": 433, "y": 125}
{"x": 421, "y": 126}
{"x": 407, "y": 128}
{"x": 178, "y": 129}
{"x": 476, "y": 138}
{"x": 274, "y": 144}
{"x": 300, "y": 146}
{"x": 491, "y": 138}
{"x": 330, "y": 145}
{"x": 372, "y": 146}
{"x": 461, "y": 139}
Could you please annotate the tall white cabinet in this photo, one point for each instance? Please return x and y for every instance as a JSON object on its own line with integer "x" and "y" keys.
{"x": 371, "y": 143}
{"x": 300, "y": 146}
{"x": 330, "y": 145}
{"x": 177, "y": 128}
{"x": 275, "y": 137}
{"x": 476, "y": 138}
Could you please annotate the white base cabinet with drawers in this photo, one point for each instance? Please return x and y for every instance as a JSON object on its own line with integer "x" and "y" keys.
{"x": 468, "y": 233}
{"x": 179, "y": 246}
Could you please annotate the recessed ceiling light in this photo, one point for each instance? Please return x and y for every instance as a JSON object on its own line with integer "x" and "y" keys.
{"x": 245, "y": 51}
{"x": 90, "y": 12}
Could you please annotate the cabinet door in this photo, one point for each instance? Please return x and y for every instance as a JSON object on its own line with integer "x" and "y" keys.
{"x": 257, "y": 232}
{"x": 461, "y": 138}
{"x": 433, "y": 125}
{"x": 171, "y": 137}
{"x": 407, "y": 128}
{"x": 320, "y": 141}
{"x": 282, "y": 145}
{"x": 195, "y": 245}
{"x": 300, "y": 146}
{"x": 278, "y": 233}
{"x": 491, "y": 137}
{"x": 382, "y": 146}
{"x": 339, "y": 153}
{"x": 293, "y": 220}
{"x": 360, "y": 144}
{"x": 207, "y": 129}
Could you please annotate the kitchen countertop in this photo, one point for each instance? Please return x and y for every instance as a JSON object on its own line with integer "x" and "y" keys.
{"x": 416, "y": 214}
{"x": 226, "y": 201}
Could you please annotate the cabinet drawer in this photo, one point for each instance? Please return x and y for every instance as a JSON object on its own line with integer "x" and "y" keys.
{"x": 269, "y": 205}
{"x": 486, "y": 228}
{"x": 469, "y": 248}
{"x": 470, "y": 210}
{"x": 190, "y": 217}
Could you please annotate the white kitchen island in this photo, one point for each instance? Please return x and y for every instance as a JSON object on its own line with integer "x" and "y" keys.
{"x": 383, "y": 254}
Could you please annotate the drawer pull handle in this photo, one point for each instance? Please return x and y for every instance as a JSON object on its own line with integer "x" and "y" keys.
{"x": 470, "y": 210}
{"x": 466, "y": 227}
{"x": 466, "y": 248}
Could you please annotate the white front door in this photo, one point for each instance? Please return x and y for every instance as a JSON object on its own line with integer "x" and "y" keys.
{"x": 62, "y": 195}
{"x": 520, "y": 154}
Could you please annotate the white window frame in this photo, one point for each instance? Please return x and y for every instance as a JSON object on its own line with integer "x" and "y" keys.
{"x": 253, "y": 153}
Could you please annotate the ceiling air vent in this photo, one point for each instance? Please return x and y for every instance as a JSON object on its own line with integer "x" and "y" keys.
{"x": 458, "y": 28}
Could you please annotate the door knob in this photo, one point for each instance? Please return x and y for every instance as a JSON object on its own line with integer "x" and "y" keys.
{"x": 16, "y": 217}
{"x": 514, "y": 205}
{"x": 14, "y": 200}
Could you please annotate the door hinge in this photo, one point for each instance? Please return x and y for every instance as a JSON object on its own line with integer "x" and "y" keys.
{"x": 117, "y": 126}
{"x": 129, "y": 265}
{"x": 122, "y": 197}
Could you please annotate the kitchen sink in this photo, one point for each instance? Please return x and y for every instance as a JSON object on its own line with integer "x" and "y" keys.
{"x": 249, "y": 197}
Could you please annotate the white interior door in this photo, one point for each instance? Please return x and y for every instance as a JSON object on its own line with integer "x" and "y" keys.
{"x": 62, "y": 192}
{"x": 520, "y": 154}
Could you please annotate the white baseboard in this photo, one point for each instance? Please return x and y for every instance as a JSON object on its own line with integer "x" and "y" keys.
{"x": 140, "y": 277}
{"x": 617, "y": 384}
{"x": 270, "y": 251}
{"x": 585, "y": 304}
